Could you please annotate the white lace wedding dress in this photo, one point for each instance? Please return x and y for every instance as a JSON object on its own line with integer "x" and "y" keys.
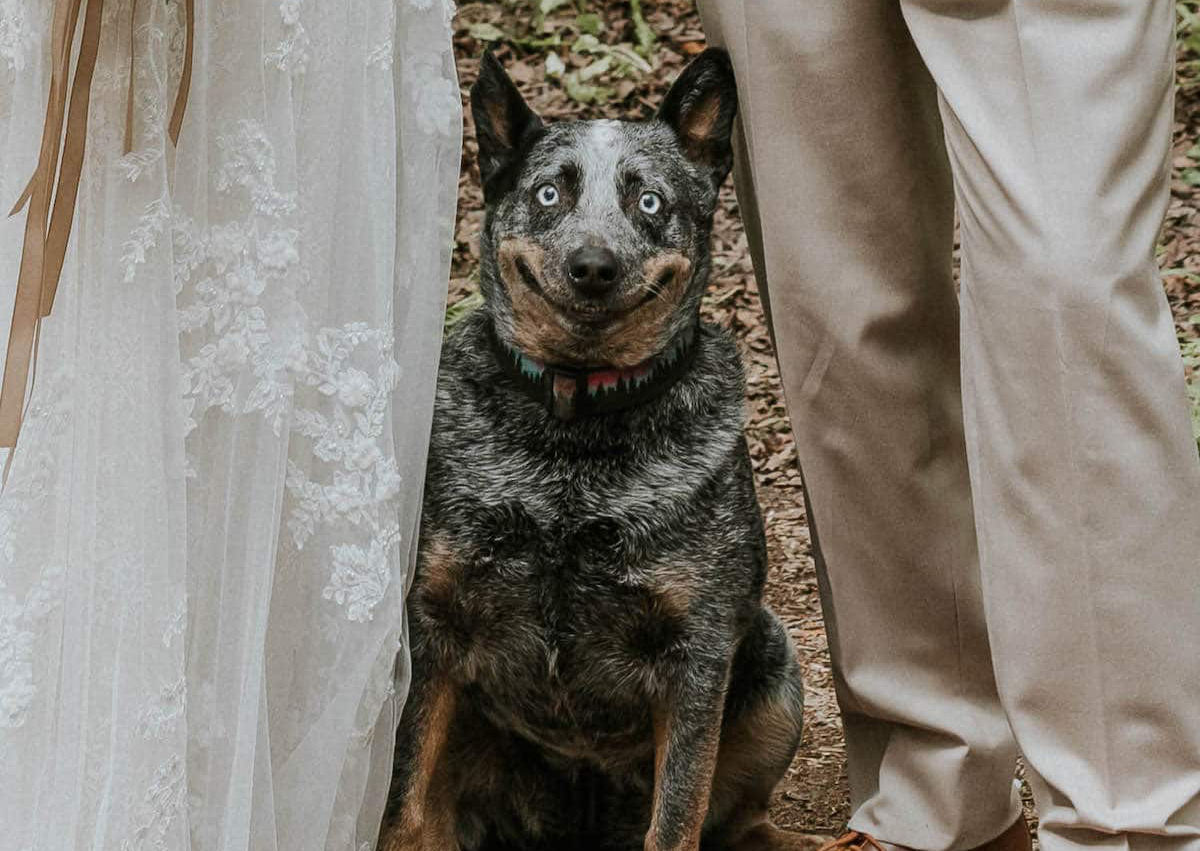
{"x": 208, "y": 526}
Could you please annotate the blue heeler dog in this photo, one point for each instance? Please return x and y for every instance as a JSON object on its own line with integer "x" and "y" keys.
{"x": 593, "y": 666}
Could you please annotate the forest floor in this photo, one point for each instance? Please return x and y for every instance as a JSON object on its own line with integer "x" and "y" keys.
{"x": 592, "y": 58}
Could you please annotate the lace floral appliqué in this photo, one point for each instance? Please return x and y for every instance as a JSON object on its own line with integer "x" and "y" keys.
{"x": 19, "y": 616}
{"x": 364, "y": 482}
{"x": 226, "y": 273}
{"x": 292, "y": 51}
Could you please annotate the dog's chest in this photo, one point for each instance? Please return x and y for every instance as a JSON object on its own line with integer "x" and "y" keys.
{"x": 566, "y": 633}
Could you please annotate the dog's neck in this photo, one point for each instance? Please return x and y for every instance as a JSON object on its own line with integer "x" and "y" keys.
{"x": 570, "y": 393}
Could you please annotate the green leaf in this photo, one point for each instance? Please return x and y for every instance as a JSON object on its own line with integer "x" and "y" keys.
{"x": 538, "y": 43}
{"x": 595, "y": 69}
{"x": 645, "y": 35}
{"x": 486, "y": 32}
{"x": 583, "y": 92}
{"x": 545, "y": 7}
{"x": 456, "y": 313}
{"x": 589, "y": 24}
{"x": 587, "y": 43}
{"x": 1190, "y": 176}
{"x": 626, "y": 55}
{"x": 555, "y": 67}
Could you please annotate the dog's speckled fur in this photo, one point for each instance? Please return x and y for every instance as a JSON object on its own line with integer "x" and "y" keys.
{"x": 593, "y": 667}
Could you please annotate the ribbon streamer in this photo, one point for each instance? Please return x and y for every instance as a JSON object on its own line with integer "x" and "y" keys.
{"x": 53, "y": 189}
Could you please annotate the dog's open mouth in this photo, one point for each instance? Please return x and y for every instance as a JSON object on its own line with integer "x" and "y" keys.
{"x": 591, "y": 314}
{"x": 580, "y": 313}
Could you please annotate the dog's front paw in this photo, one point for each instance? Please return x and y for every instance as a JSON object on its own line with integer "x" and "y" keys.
{"x": 767, "y": 837}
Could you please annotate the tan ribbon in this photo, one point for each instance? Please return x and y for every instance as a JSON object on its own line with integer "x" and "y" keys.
{"x": 51, "y": 202}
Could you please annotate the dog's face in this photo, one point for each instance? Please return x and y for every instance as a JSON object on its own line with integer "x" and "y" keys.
{"x": 595, "y": 248}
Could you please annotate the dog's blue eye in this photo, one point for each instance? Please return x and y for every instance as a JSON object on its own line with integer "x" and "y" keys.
{"x": 547, "y": 195}
{"x": 650, "y": 203}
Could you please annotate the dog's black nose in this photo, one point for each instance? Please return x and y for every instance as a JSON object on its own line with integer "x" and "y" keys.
{"x": 593, "y": 270}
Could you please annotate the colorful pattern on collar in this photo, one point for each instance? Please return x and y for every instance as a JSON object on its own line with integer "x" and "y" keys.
{"x": 569, "y": 393}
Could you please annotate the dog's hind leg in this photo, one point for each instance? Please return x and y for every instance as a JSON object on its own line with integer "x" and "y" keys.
{"x": 763, "y": 723}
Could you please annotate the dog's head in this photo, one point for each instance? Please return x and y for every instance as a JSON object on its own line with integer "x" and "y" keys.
{"x": 595, "y": 248}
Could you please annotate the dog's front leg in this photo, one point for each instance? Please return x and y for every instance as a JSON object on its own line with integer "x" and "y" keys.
{"x": 687, "y": 734}
{"x": 426, "y": 819}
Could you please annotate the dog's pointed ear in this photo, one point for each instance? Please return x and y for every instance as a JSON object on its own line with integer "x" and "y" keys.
{"x": 502, "y": 118}
{"x": 700, "y": 108}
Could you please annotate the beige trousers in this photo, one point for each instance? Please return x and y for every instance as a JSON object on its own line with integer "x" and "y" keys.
{"x": 1015, "y": 563}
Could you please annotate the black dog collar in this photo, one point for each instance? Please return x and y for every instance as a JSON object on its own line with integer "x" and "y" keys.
{"x": 569, "y": 393}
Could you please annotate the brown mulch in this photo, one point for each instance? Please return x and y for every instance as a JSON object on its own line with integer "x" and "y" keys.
{"x": 813, "y": 798}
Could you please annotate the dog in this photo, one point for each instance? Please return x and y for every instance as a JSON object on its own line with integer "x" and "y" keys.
{"x": 592, "y": 663}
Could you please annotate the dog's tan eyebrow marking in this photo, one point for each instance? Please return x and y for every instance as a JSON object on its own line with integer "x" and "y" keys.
{"x": 634, "y": 175}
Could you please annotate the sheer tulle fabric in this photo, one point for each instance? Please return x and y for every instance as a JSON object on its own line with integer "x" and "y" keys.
{"x": 208, "y": 526}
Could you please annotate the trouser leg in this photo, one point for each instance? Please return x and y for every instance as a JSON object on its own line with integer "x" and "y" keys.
{"x": 848, "y": 202}
{"x": 1085, "y": 473}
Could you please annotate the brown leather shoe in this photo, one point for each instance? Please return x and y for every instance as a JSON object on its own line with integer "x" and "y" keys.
{"x": 1016, "y": 838}
{"x": 854, "y": 840}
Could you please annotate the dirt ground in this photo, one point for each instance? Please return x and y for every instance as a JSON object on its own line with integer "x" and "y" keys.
{"x": 814, "y": 796}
